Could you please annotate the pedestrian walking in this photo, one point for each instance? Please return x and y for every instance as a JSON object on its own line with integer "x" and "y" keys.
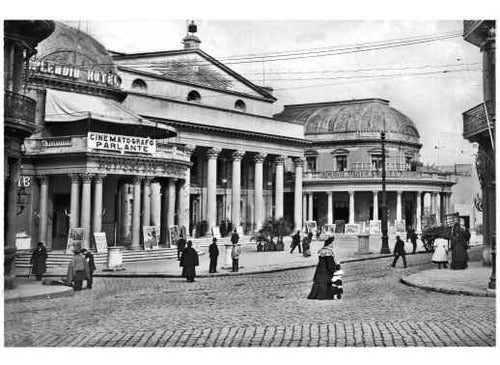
{"x": 322, "y": 281}
{"x": 459, "y": 256}
{"x": 412, "y": 236}
{"x": 38, "y": 261}
{"x": 77, "y": 270}
{"x": 213, "y": 251}
{"x": 89, "y": 257}
{"x": 399, "y": 251}
{"x": 189, "y": 261}
{"x": 306, "y": 245}
{"x": 296, "y": 242}
{"x": 235, "y": 237}
{"x": 235, "y": 256}
{"x": 440, "y": 255}
{"x": 181, "y": 245}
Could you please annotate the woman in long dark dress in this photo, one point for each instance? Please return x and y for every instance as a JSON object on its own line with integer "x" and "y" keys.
{"x": 459, "y": 256}
{"x": 189, "y": 261}
{"x": 39, "y": 261}
{"x": 322, "y": 287}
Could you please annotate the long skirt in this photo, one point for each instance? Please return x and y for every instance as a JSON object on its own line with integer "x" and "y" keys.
{"x": 189, "y": 271}
{"x": 459, "y": 258}
{"x": 321, "y": 290}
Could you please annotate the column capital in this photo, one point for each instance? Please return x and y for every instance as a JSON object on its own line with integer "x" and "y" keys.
{"x": 213, "y": 153}
{"x": 189, "y": 149}
{"x": 237, "y": 155}
{"x": 280, "y": 159}
{"x": 375, "y": 192}
{"x": 259, "y": 157}
{"x": 148, "y": 180}
{"x": 172, "y": 180}
{"x": 351, "y": 192}
{"x": 137, "y": 180}
{"x": 43, "y": 179}
{"x": 419, "y": 193}
{"x": 399, "y": 192}
{"x": 99, "y": 177}
{"x": 329, "y": 193}
{"x": 75, "y": 178}
{"x": 86, "y": 177}
{"x": 298, "y": 161}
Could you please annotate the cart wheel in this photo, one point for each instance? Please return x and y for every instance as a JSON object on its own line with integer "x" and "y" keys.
{"x": 428, "y": 243}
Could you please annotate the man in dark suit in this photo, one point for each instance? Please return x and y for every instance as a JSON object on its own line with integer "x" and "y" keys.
{"x": 181, "y": 245}
{"x": 89, "y": 257}
{"x": 213, "y": 251}
{"x": 399, "y": 250}
{"x": 189, "y": 261}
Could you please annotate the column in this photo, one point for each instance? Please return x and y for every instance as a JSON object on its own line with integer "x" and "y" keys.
{"x": 299, "y": 164}
{"x": 124, "y": 212}
{"x": 74, "y": 213}
{"x": 351, "y": 207}
{"x": 171, "y": 203}
{"x": 11, "y": 203}
{"x": 419, "y": 212}
{"x": 44, "y": 200}
{"x": 438, "y": 208}
{"x": 85, "y": 206}
{"x": 375, "y": 205}
{"x": 310, "y": 207}
{"x": 259, "y": 198}
{"x": 304, "y": 208}
{"x": 97, "y": 222}
{"x": 212, "y": 187}
{"x": 432, "y": 203}
{"x": 146, "y": 197}
{"x": 280, "y": 162}
{"x": 185, "y": 194}
{"x": 236, "y": 188}
{"x": 155, "y": 189}
{"x": 330, "y": 207}
{"x": 136, "y": 214}
{"x": 399, "y": 208}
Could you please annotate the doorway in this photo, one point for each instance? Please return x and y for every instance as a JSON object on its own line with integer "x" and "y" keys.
{"x": 60, "y": 221}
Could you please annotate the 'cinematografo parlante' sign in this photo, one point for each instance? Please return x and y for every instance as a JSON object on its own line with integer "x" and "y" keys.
{"x": 122, "y": 144}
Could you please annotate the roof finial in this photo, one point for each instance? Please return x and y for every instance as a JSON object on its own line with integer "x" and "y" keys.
{"x": 191, "y": 40}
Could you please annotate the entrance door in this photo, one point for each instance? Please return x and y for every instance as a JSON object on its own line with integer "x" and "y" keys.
{"x": 341, "y": 211}
{"x": 60, "y": 221}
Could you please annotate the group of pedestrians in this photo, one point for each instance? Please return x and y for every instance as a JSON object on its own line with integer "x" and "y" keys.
{"x": 305, "y": 248}
{"x": 189, "y": 259}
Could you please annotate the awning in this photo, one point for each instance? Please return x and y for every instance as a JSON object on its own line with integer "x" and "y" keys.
{"x": 63, "y": 106}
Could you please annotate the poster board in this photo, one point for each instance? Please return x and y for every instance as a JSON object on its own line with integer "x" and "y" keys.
{"x": 339, "y": 226}
{"x": 312, "y": 226}
{"x": 101, "y": 244}
{"x": 352, "y": 228}
{"x": 329, "y": 229}
{"x": 376, "y": 227}
{"x": 173, "y": 235}
{"x": 239, "y": 230}
{"x": 150, "y": 239}
{"x": 400, "y": 226}
{"x": 76, "y": 239}
{"x": 216, "y": 232}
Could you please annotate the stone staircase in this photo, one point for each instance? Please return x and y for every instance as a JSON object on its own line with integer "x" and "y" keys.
{"x": 61, "y": 258}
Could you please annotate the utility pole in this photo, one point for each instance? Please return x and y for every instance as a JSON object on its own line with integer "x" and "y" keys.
{"x": 385, "y": 239}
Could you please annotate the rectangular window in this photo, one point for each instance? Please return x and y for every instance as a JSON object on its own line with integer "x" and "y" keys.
{"x": 341, "y": 163}
{"x": 311, "y": 164}
{"x": 377, "y": 162}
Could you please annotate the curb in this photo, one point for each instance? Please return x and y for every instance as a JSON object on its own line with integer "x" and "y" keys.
{"x": 64, "y": 293}
{"x": 448, "y": 291}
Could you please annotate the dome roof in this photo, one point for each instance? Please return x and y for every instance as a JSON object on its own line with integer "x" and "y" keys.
{"x": 364, "y": 116}
{"x": 68, "y": 45}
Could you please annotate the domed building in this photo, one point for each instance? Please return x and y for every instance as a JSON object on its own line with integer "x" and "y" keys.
{"x": 342, "y": 177}
{"x": 92, "y": 162}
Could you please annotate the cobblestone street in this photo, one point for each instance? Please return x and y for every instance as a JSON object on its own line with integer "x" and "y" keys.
{"x": 256, "y": 310}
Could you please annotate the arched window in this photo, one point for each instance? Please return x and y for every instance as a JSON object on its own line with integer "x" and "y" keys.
{"x": 139, "y": 84}
{"x": 194, "y": 95}
{"x": 240, "y": 105}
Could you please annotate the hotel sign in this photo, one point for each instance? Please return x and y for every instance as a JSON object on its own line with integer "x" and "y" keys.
{"x": 122, "y": 144}
{"x": 74, "y": 73}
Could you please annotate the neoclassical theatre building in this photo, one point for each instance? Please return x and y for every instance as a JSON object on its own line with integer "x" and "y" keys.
{"x": 169, "y": 138}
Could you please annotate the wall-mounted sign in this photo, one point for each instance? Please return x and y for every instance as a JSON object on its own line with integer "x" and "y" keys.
{"x": 74, "y": 73}
{"x": 24, "y": 182}
{"x": 122, "y": 144}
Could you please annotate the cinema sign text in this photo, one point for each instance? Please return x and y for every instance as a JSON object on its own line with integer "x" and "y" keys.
{"x": 122, "y": 144}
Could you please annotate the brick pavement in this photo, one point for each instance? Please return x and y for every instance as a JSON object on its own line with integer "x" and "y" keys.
{"x": 268, "y": 309}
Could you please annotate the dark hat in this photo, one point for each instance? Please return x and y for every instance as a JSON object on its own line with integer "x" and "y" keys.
{"x": 214, "y": 239}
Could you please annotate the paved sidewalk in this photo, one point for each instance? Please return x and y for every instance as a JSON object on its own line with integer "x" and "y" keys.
{"x": 471, "y": 281}
{"x": 251, "y": 262}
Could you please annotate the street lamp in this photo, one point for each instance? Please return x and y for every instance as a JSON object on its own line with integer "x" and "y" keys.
{"x": 385, "y": 239}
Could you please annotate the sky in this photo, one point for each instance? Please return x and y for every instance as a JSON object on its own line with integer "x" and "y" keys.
{"x": 435, "y": 100}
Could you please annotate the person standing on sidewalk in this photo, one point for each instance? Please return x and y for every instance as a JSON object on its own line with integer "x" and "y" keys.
{"x": 235, "y": 255}
{"x": 181, "y": 245}
{"x": 235, "y": 237}
{"x": 89, "y": 257}
{"x": 412, "y": 236}
{"x": 213, "y": 251}
{"x": 440, "y": 255}
{"x": 399, "y": 250}
{"x": 189, "y": 261}
{"x": 39, "y": 261}
{"x": 77, "y": 270}
{"x": 296, "y": 242}
{"x": 306, "y": 245}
